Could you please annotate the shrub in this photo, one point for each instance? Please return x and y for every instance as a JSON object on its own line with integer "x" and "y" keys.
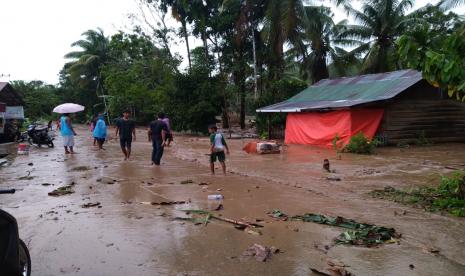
{"x": 449, "y": 196}
{"x": 360, "y": 144}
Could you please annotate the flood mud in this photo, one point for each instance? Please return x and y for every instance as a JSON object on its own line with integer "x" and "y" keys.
{"x": 123, "y": 235}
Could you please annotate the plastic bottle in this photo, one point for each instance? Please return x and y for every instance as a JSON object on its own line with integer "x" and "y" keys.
{"x": 215, "y": 197}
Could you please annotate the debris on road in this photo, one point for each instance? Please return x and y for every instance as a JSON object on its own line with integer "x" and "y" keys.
{"x": 27, "y": 177}
{"x": 169, "y": 202}
{"x": 238, "y": 224}
{"x": 106, "y": 180}
{"x": 431, "y": 250}
{"x": 188, "y": 181}
{"x": 260, "y": 252}
{"x": 203, "y": 184}
{"x": 360, "y": 234}
{"x": 64, "y": 190}
{"x": 264, "y": 147}
{"x": 217, "y": 207}
{"x": 91, "y": 204}
{"x": 3, "y": 163}
{"x": 326, "y": 165}
{"x": 253, "y": 231}
{"x": 278, "y": 215}
{"x": 80, "y": 168}
{"x": 333, "y": 178}
{"x": 46, "y": 184}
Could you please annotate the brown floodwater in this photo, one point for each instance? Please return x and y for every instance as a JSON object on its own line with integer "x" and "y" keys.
{"x": 128, "y": 237}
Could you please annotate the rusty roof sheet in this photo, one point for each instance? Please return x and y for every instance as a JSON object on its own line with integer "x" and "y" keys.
{"x": 348, "y": 91}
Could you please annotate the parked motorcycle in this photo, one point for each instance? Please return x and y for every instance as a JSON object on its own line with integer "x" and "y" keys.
{"x": 14, "y": 255}
{"x": 40, "y": 135}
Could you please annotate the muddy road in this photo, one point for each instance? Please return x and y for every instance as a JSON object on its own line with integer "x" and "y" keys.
{"x": 124, "y": 235}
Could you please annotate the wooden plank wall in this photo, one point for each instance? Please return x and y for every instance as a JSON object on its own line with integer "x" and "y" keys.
{"x": 440, "y": 120}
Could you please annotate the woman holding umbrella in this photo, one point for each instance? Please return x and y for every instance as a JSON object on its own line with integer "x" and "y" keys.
{"x": 68, "y": 133}
{"x": 65, "y": 126}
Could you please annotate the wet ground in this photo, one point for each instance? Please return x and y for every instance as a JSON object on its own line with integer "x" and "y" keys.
{"x": 128, "y": 237}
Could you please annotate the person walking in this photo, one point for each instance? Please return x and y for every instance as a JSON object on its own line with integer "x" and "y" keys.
{"x": 169, "y": 134}
{"x": 157, "y": 134}
{"x": 67, "y": 132}
{"x": 100, "y": 131}
{"x": 93, "y": 122}
{"x": 217, "y": 147}
{"x": 126, "y": 128}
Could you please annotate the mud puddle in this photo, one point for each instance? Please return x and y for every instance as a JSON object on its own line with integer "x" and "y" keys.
{"x": 127, "y": 237}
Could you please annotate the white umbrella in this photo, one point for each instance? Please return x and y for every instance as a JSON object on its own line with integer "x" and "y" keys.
{"x": 68, "y": 108}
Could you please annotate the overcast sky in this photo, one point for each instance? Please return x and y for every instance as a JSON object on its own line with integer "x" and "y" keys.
{"x": 36, "y": 34}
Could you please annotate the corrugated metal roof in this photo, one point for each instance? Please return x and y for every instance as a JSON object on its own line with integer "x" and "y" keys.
{"x": 347, "y": 92}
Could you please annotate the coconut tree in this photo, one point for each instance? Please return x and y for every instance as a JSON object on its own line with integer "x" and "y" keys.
{"x": 448, "y": 4}
{"x": 281, "y": 26}
{"x": 321, "y": 44}
{"x": 380, "y": 23}
{"x": 86, "y": 63}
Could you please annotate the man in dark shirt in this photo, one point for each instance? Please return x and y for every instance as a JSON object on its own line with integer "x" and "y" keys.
{"x": 157, "y": 134}
{"x": 126, "y": 129}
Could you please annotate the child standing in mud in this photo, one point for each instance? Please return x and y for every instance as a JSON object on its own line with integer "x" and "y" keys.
{"x": 217, "y": 147}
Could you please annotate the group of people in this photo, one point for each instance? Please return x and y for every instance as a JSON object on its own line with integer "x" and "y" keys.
{"x": 159, "y": 133}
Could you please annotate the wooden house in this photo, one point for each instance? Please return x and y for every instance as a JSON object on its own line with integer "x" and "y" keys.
{"x": 397, "y": 107}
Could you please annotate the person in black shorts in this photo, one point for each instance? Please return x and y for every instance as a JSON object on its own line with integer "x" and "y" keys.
{"x": 126, "y": 128}
{"x": 157, "y": 134}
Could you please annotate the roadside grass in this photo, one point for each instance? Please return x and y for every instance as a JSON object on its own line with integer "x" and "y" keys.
{"x": 449, "y": 196}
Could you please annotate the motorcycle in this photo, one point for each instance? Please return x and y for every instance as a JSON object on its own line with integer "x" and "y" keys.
{"x": 40, "y": 135}
{"x": 14, "y": 255}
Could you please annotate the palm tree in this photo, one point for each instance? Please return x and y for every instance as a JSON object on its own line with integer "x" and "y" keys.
{"x": 449, "y": 4}
{"x": 381, "y": 22}
{"x": 281, "y": 25}
{"x": 86, "y": 64}
{"x": 321, "y": 36}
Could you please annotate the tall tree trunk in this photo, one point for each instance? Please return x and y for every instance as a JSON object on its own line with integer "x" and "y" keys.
{"x": 223, "y": 81}
{"x": 242, "y": 88}
{"x": 186, "y": 38}
{"x": 254, "y": 63}
{"x": 239, "y": 82}
{"x": 320, "y": 69}
{"x": 205, "y": 48}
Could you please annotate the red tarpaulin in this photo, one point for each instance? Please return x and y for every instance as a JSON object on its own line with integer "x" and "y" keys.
{"x": 320, "y": 128}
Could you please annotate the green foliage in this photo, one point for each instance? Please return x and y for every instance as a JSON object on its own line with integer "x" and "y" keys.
{"x": 278, "y": 91}
{"x": 138, "y": 76}
{"x": 422, "y": 140}
{"x": 440, "y": 55}
{"x": 337, "y": 145}
{"x": 335, "y": 142}
{"x": 194, "y": 102}
{"x": 453, "y": 186}
{"x": 39, "y": 98}
{"x": 248, "y": 41}
{"x": 360, "y": 144}
{"x": 449, "y": 196}
{"x": 380, "y": 23}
